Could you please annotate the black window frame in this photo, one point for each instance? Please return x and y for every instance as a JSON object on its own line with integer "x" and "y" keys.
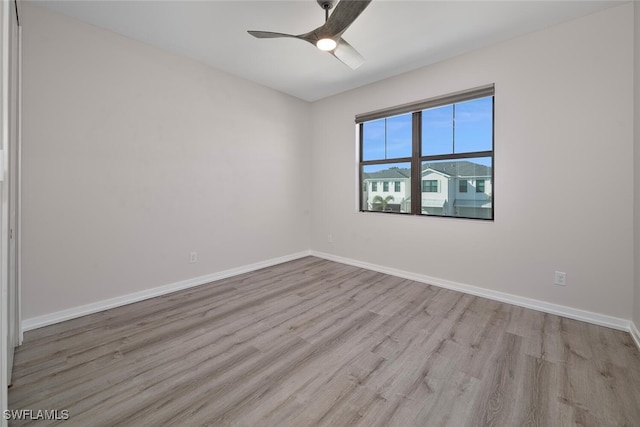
{"x": 417, "y": 159}
{"x": 480, "y": 183}
{"x": 397, "y": 187}
{"x": 465, "y": 186}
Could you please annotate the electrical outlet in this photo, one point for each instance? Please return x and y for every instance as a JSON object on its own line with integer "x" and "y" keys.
{"x": 560, "y": 278}
{"x": 193, "y": 257}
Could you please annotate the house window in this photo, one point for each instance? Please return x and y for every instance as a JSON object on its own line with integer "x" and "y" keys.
{"x": 374, "y": 186}
{"x": 431, "y": 146}
{"x": 430, "y": 186}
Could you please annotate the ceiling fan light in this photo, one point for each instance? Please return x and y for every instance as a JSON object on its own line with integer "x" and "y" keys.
{"x": 326, "y": 44}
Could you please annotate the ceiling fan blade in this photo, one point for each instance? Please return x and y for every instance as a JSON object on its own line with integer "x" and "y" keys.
{"x": 347, "y": 54}
{"x": 345, "y": 13}
{"x": 342, "y": 17}
{"x": 269, "y": 34}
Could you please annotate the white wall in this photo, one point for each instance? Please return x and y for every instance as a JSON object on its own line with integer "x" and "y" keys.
{"x": 563, "y": 113}
{"x": 134, "y": 157}
{"x": 636, "y": 310}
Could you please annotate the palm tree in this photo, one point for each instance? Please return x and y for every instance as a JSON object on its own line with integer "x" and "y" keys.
{"x": 378, "y": 200}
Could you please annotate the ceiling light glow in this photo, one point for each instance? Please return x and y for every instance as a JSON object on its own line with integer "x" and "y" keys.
{"x": 326, "y": 44}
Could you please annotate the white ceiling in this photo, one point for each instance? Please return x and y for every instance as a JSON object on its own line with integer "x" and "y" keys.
{"x": 394, "y": 36}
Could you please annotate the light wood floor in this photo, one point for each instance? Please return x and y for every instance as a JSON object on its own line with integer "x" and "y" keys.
{"x": 313, "y": 342}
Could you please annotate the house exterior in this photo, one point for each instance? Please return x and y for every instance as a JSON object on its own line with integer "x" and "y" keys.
{"x": 387, "y": 190}
{"x": 449, "y": 188}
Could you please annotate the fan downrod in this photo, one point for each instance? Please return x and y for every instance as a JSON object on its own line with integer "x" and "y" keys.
{"x": 326, "y": 5}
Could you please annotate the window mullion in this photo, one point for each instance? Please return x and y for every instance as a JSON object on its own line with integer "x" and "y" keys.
{"x": 416, "y": 190}
{"x": 360, "y": 168}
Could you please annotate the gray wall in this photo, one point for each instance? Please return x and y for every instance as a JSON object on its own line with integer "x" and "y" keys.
{"x": 134, "y": 157}
{"x": 563, "y": 170}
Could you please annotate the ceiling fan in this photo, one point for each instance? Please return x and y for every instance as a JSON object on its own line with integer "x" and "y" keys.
{"x": 328, "y": 37}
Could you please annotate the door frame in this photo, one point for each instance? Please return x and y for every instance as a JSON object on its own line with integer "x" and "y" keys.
{"x": 10, "y": 136}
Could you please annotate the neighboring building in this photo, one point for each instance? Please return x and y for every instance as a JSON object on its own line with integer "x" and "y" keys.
{"x": 387, "y": 190}
{"x": 450, "y": 188}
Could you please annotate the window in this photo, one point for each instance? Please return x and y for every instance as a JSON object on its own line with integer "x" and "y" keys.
{"x": 374, "y": 186}
{"x": 432, "y": 146}
{"x": 430, "y": 186}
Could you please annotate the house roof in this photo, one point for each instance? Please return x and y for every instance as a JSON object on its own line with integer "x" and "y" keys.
{"x": 463, "y": 203}
{"x": 391, "y": 173}
{"x": 458, "y": 168}
{"x": 433, "y": 203}
{"x": 453, "y": 168}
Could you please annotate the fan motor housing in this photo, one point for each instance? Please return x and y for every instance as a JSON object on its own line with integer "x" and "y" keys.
{"x": 326, "y": 4}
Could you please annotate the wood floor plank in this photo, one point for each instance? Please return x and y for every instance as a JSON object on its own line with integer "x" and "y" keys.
{"x": 314, "y": 342}
{"x": 498, "y": 393}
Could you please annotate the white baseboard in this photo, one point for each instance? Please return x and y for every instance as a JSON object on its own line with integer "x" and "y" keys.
{"x": 560, "y": 310}
{"x": 635, "y": 334}
{"x": 72, "y": 313}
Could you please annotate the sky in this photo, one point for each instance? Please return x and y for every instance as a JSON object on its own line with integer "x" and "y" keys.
{"x": 463, "y": 127}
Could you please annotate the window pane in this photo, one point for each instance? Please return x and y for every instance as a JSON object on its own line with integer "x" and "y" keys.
{"x": 474, "y": 125}
{"x": 437, "y": 130}
{"x": 446, "y": 192}
{"x": 382, "y": 197}
{"x": 373, "y": 140}
{"x": 399, "y": 129}
{"x": 388, "y": 138}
